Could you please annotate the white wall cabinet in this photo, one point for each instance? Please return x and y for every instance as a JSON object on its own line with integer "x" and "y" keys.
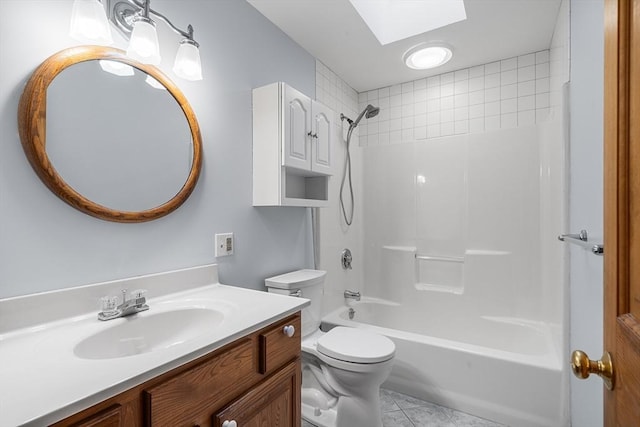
{"x": 292, "y": 148}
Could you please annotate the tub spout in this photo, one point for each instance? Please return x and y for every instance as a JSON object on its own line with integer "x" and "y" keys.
{"x": 352, "y": 295}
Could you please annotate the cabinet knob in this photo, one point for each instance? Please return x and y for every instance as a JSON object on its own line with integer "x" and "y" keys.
{"x": 289, "y": 330}
{"x": 231, "y": 423}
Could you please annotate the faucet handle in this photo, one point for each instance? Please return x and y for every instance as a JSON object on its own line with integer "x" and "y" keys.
{"x": 108, "y": 304}
{"x": 138, "y": 293}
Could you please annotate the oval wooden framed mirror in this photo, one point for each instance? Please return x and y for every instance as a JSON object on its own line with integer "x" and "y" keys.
{"x": 34, "y": 131}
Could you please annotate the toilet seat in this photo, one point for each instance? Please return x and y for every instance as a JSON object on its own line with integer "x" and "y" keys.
{"x": 355, "y": 346}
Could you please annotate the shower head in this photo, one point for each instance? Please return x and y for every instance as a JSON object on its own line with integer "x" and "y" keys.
{"x": 368, "y": 112}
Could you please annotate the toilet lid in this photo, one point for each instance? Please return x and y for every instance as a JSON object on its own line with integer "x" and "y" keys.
{"x": 356, "y": 345}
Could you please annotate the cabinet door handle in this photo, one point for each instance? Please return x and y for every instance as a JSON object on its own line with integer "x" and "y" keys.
{"x": 231, "y": 423}
{"x": 312, "y": 135}
{"x": 289, "y": 330}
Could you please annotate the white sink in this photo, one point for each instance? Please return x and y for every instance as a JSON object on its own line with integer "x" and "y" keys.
{"x": 148, "y": 331}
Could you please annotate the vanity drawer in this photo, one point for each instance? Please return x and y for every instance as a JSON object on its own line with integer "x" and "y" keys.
{"x": 276, "y": 347}
{"x": 187, "y": 398}
{"x": 110, "y": 417}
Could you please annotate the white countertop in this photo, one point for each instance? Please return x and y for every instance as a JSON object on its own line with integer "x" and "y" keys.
{"x": 41, "y": 379}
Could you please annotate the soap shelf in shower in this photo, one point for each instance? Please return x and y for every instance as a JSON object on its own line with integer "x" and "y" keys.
{"x": 582, "y": 239}
{"x": 439, "y": 258}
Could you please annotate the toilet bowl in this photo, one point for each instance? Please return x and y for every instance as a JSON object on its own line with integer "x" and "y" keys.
{"x": 342, "y": 369}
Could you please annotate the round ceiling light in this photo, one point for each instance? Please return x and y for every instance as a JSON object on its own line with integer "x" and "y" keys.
{"x": 425, "y": 56}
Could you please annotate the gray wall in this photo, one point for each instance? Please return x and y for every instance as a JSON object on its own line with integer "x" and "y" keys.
{"x": 46, "y": 245}
{"x": 585, "y": 199}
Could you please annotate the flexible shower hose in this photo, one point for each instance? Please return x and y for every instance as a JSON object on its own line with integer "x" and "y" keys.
{"x": 347, "y": 170}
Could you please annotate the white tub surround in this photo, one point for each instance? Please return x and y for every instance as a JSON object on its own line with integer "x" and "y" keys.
{"x": 42, "y": 380}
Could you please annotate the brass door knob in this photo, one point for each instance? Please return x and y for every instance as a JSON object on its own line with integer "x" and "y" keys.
{"x": 582, "y": 367}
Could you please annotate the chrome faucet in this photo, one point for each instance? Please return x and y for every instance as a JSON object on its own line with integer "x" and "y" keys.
{"x": 134, "y": 304}
{"x": 352, "y": 295}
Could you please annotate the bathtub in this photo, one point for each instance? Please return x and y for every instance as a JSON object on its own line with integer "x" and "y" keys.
{"x": 504, "y": 369}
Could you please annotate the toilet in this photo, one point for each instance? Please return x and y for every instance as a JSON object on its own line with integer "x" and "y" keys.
{"x": 342, "y": 369}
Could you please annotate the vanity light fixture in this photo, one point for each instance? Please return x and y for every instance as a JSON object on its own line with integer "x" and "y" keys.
{"x": 427, "y": 55}
{"x": 89, "y": 23}
{"x": 136, "y": 21}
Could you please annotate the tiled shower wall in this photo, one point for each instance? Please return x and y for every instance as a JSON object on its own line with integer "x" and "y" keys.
{"x": 499, "y": 95}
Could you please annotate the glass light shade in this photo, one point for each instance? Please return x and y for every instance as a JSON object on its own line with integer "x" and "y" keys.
{"x": 116, "y": 68}
{"x": 423, "y": 57}
{"x": 89, "y": 23}
{"x": 143, "y": 46}
{"x": 154, "y": 83}
{"x": 187, "y": 64}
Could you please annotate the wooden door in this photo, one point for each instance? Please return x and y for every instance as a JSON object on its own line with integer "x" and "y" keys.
{"x": 622, "y": 210}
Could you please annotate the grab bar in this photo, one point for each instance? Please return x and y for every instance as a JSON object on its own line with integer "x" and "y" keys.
{"x": 582, "y": 239}
{"x": 439, "y": 258}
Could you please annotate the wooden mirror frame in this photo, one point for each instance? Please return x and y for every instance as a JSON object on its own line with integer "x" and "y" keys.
{"x": 32, "y": 114}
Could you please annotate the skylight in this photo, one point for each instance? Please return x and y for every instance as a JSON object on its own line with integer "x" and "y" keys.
{"x": 393, "y": 20}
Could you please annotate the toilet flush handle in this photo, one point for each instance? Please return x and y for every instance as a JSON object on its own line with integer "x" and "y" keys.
{"x": 289, "y": 330}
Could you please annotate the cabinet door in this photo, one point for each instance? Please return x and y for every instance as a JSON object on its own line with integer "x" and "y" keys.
{"x": 297, "y": 127}
{"x": 273, "y": 403}
{"x": 321, "y": 143}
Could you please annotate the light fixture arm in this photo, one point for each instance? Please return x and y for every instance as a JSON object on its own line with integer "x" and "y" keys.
{"x": 123, "y": 12}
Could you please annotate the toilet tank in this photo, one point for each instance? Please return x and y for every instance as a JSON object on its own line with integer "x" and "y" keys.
{"x": 306, "y": 284}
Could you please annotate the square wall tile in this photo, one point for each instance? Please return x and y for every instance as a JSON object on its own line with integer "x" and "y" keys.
{"x": 492, "y": 80}
{"x": 476, "y": 83}
{"x": 492, "y": 108}
{"x": 477, "y": 71}
{"x": 433, "y": 81}
{"x": 542, "y": 70}
{"x": 433, "y": 131}
{"x": 508, "y": 64}
{"x": 492, "y": 68}
{"x": 461, "y": 127}
{"x": 461, "y": 75}
{"x": 492, "y": 94}
{"x": 420, "y": 107}
{"x": 446, "y": 78}
{"x": 542, "y": 56}
{"x": 526, "y": 60}
{"x": 461, "y": 100}
{"x": 527, "y": 73}
{"x": 446, "y": 102}
{"x": 527, "y": 88}
{"x": 542, "y": 85}
{"x": 509, "y": 91}
{"x": 407, "y": 87}
{"x": 433, "y": 92}
{"x": 447, "y": 129}
{"x": 476, "y": 97}
{"x": 527, "y": 103}
{"x": 420, "y": 84}
{"x": 446, "y": 90}
{"x": 407, "y": 98}
{"x": 508, "y": 77}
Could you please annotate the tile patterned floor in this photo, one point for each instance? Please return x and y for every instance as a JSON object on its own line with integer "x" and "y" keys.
{"x": 399, "y": 410}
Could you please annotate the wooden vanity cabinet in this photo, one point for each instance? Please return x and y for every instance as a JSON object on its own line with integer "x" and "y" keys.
{"x": 254, "y": 381}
